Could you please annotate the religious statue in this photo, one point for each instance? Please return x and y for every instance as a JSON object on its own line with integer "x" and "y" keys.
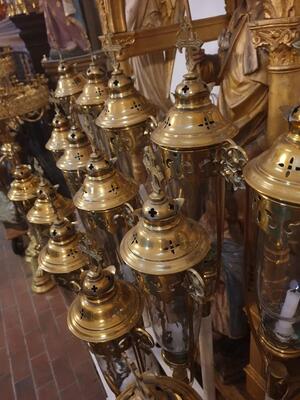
{"x": 241, "y": 71}
{"x": 65, "y": 27}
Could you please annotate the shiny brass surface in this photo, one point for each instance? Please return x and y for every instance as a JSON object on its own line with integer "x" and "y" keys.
{"x": 164, "y": 241}
{"x": 106, "y": 309}
{"x": 69, "y": 82}
{"x": 77, "y": 152}
{"x": 94, "y": 92}
{"x": 193, "y": 122}
{"x": 25, "y": 184}
{"x": 104, "y": 187}
{"x": 48, "y": 204}
{"x": 10, "y": 150}
{"x": 274, "y": 173}
{"x": 62, "y": 253}
{"x": 159, "y": 388}
{"x": 58, "y": 141}
{"x": 126, "y": 119}
{"x": 7, "y": 65}
{"x": 125, "y": 106}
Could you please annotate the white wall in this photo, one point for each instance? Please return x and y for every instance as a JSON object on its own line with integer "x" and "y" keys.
{"x": 199, "y": 9}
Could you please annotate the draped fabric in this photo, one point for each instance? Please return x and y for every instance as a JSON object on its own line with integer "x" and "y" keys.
{"x": 64, "y": 23}
{"x": 10, "y": 36}
{"x": 153, "y": 71}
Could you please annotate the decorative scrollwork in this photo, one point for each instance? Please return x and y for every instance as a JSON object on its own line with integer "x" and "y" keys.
{"x": 233, "y": 160}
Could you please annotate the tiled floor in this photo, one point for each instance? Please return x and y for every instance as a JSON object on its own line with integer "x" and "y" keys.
{"x": 39, "y": 358}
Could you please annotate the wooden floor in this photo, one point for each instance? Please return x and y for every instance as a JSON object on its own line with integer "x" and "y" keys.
{"x": 39, "y": 358}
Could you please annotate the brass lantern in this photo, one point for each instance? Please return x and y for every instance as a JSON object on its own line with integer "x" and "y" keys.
{"x": 106, "y": 201}
{"x": 273, "y": 241}
{"x": 126, "y": 119}
{"x": 159, "y": 388}
{"x": 23, "y": 192}
{"x": 68, "y": 87}
{"x": 76, "y": 155}
{"x": 90, "y": 103}
{"x": 23, "y": 189}
{"x": 162, "y": 247}
{"x": 62, "y": 255}
{"x": 107, "y": 314}
{"x": 41, "y": 216}
{"x": 58, "y": 141}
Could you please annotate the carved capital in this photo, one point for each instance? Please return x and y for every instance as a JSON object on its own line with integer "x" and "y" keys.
{"x": 277, "y": 36}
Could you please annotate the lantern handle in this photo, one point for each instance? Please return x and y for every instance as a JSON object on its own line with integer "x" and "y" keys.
{"x": 195, "y": 285}
{"x": 152, "y": 124}
{"x": 233, "y": 160}
{"x": 144, "y": 337}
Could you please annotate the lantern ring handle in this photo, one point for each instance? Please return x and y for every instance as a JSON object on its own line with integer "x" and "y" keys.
{"x": 233, "y": 160}
{"x": 145, "y": 337}
{"x": 196, "y": 286}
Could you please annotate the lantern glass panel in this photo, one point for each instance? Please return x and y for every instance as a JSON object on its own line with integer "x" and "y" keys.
{"x": 278, "y": 260}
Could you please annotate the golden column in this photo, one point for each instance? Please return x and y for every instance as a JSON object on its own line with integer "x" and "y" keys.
{"x": 276, "y": 33}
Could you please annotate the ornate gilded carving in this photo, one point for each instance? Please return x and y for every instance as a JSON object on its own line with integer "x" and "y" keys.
{"x": 279, "y": 8}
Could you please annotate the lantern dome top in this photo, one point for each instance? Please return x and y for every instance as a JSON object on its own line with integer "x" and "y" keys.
{"x": 104, "y": 188}
{"x": 125, "y": 106}
{"x": 94, "y": 92}
{"x": 105, "y": 309}
{"x": 48, "y": 204}
{"x": 25, "y": 184}
{"x": 77, "y": 152}
{"x": 193, "y": 122}
{"x": 69, "y": 82}
{"x": 276, "y": 172}
{"x": 62, "y": 254}
{"x": 58, "y": 139}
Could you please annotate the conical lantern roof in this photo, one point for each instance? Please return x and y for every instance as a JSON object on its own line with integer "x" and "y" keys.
{"x": 164, "y": 241}
{"x": 125, "y": 106}
{"x": 58, "y": 140}
{"x": 62, "y": 254}
{"x": 276, "y": 172}
{"x": 48, "y": 204}
{"x": 77, "y": 152}
{"x": 94, "y": 92}
{"x": 104, "y": 188}
{"x": 105, "y": 309}
{"x": 25, "y": 184}
{"x": 69, "y": 82}
{"x": 193, "y": 122}
{"x": 159, "y": 387}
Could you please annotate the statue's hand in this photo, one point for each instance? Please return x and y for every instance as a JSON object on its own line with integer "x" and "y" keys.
{"x": 198, "y": 56}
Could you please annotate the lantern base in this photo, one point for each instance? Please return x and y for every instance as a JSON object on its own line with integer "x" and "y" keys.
{"x": 177, "y": 364}
{"x": 276, "y": 351}
{"x": 42, "y": 282}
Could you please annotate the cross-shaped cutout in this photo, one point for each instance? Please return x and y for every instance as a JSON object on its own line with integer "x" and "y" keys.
{"x": 78, "y": 156}
{"x": 114, "y": 188}
{"x": 77, "y": 80}
{"x": 99, "y": 91}
{"x": 116, "y": 82}
{"x": 167, "y": 122}
{"x": 91, "y": 167}
{"x": 171, "y": 246}
{"x": 208, "y": 121}
{"x": 73, "y": 135}
{"x": 136, "y": 106}
{"x": 72, "y": 253}
{"x": 94, "y": 288}
{"x": 81, "y": 313}
{"x": 152, "y": 212}
{"x": 185, "y": 89}
{"x": 134, "y": 238}
{"x": 290, "y": 167}
{"x": 54, "y": 233}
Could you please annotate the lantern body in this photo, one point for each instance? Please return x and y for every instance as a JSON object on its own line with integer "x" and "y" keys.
{"x": 161, "y": 248}
{"x": 273, "y": 239}
{"x": 126, "y": 120}
{"x": 107, "y": 315}
{"x": 277, "y": 244}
